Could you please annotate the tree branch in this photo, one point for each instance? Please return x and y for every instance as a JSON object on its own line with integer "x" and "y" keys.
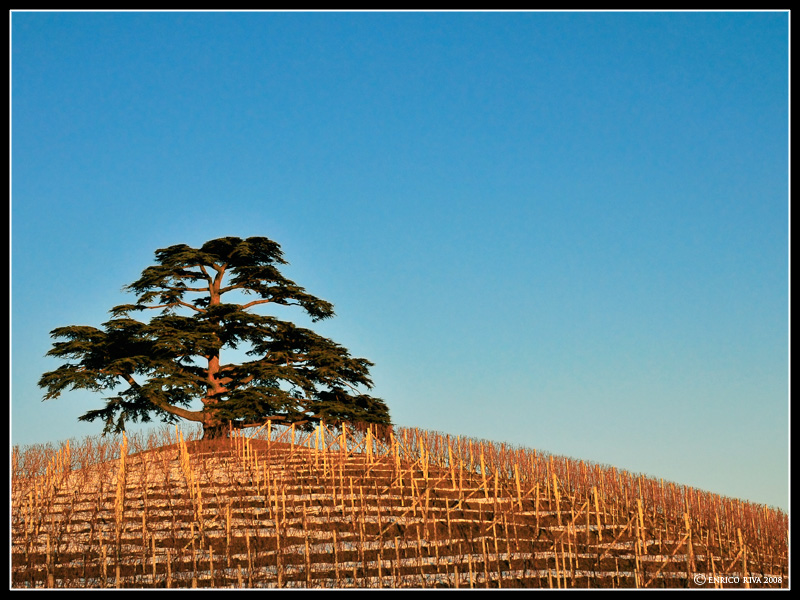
{"x": 205, "y": 272}
{"x": 230, "y": 288}
{"x": 253, "y": 303}
{"x": 185, "y": 289}
{"x": 178, "y": 303}
{"x": 189, "y": 415}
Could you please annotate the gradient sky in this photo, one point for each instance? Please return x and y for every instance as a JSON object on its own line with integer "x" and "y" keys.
{"x": 565, "y": 231}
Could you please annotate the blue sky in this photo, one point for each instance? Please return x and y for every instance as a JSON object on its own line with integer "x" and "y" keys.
{"x": 565, "y": 231}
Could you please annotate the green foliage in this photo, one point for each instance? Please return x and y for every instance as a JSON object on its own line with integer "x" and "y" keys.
{"x": 295, "y": 375}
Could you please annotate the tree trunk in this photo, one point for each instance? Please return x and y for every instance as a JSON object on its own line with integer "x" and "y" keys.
{"x": 213, "y": 426}
{"x": 215, "y": 431}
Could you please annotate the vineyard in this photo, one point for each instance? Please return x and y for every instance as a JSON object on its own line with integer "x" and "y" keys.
{"x": 346, "y": 508}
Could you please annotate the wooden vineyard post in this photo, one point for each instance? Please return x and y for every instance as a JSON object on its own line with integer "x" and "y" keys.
{"x": 555, "y": 558}
{"x": 278, "y": 551}
{"x": 425, "y": 511}
{"x": 397, "y": 561}
{"x": 211, "y": 564}
{"x": 249, "y": 559}
{"x": 153, "y": 557}
{"x": 483, "y": 474}
{"x": 597, "y": 514}
{"x": 713, "y": 568}
{"x": 637, "y": 572}
{"x": 169, "y": 568}
{"x": 447, "y": 511}
{"x": 316, "y": 445}
{"x": 194, "y": 559}
{"x": 460, "y": 480}
{"x": 690, "y": 566}
{"x": 744, "y": 558}
{"x": 423, "y": 460}
{"x": 413, "y": 495}
{"x": 308, "y": 561}
{"x": 396, "y": 564}
{"x": 572, "y": 550}
{"x": 485, "y": 562}
{"x": 144, "y": 538}
{"x": 336, "y": 558}
{"x": 119, "y": 507}
{"x": 419, "y": 561}
{"x": 640, "y": 527}
{"x": 104, "y": 558}
{"x": 557, "y": 497}
{"x": 50, "y": 565}
{"x": 324, "y": 449}
{"x": 638, "y": 577}
{"x": 393, "y": 450}
{"x": 507, "y": 531}
{"x": 452, "y": 465}
{"x": 398, "y": 467}
{"x": 228, "y": 531}
{"x": 588, "y": 511}
{"x": 257, "y": 471}
{"x": 368, "y": 443}
{"x": 360, "y": 519}
{"x": 199, "y": 508}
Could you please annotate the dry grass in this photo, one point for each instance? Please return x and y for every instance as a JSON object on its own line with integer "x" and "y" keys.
{"x": 335, "y": 509}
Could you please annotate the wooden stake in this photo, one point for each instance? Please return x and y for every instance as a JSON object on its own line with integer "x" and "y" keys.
{"x": 640, "y": 528}
{"x": 336, "y": 557}
{"x": 211, "y": 563}
{"x": 228, "y": 531}
{"x": 308, "y": 563}
{"x": 169, "y": 567}
{"x": 452, "y": 466}
{"x": 744, "y": 559}
{"x": 153, "y": 542}
{"x": 249, "y": 559}
{"x": 597, "y": 513}
{"x": 104, "y": 553}
{"x": 485, "y": 558}
{"x": 558, "y": 571}
{"x": 483, "y": 474}
{"x": 690, "y": 566}
{"x": 557, "y": 497}
{"x": 588, "y": 510}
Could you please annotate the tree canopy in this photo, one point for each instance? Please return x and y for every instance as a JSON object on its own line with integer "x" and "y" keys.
{"x": 158, "y": 368}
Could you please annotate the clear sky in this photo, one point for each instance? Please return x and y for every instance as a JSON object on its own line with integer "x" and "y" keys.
{"x": 565, "y": 231}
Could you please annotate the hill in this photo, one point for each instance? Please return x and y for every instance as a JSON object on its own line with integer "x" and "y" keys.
{"x": 336, "y": 509}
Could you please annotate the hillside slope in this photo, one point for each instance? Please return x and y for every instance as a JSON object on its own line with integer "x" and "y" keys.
{"x": 348, "y": 509}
